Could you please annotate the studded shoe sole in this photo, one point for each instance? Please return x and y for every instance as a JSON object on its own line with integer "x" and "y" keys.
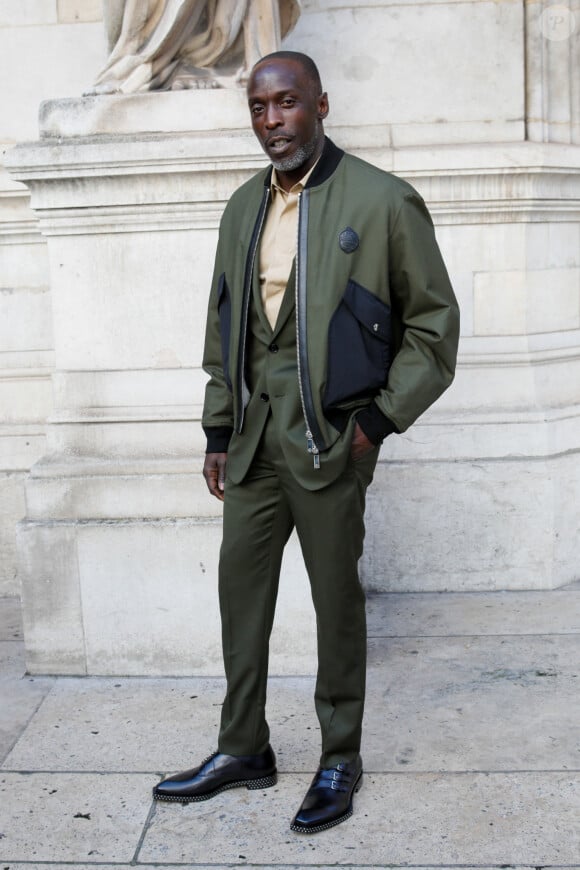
{"x": 299, "y": 829}
{"x": 250, "y": 784}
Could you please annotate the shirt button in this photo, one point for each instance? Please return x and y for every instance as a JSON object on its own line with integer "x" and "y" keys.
{"x": 265, "y": 397}
{"x": 274, "y": 348}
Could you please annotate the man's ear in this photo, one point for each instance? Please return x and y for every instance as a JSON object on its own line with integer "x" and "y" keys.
{"x": 323, "y": 107}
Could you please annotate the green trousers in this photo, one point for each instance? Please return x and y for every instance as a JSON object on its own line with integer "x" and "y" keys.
{"x": 259, "y": 516}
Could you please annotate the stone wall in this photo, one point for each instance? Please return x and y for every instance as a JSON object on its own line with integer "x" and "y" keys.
{"x": 47, "y": 48}
{"x": 119, "y": 540}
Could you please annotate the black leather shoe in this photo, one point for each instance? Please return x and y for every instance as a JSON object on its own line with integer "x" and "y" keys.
{"x": 216, "y": 774}
{"x": 328, "y": 801}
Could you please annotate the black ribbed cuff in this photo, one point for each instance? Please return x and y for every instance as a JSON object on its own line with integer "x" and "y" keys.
{"x": 218, "y": 438}
{"x": 374, "y": 424}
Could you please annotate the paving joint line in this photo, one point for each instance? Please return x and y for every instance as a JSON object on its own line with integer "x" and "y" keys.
{"x": 224, "y": 865}
{"x": 308, "y": 772}
{"x": 144, "y": 832}
{"x": 474, "y": 635}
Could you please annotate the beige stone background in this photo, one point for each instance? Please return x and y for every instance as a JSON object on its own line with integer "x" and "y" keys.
{"x": 47, "y": 49}
{"x": 104, "y": 523}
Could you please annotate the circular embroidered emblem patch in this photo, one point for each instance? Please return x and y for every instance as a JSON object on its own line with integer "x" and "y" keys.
{"x": 348, "y": 240}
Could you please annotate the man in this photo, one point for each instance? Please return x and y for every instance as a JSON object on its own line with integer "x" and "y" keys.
{"x": 331, "y": 324}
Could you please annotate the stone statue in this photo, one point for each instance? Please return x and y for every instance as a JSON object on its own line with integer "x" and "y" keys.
{"x": 176, "y": 44}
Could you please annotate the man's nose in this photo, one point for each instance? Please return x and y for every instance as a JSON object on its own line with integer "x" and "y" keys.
{"x": 273, "y": 117}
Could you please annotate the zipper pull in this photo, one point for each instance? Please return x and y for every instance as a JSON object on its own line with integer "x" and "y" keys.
{"x": 312, "y": 448}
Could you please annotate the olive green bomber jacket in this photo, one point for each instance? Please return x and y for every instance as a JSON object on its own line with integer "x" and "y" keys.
{"x": 377, "y": 319}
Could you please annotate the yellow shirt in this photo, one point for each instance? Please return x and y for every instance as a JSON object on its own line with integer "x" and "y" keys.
{"x": 278, "y": 245}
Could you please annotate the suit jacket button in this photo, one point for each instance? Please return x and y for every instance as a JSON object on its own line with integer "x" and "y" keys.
{"x": 274, "y": 348}
{"x": 265, "y": 397}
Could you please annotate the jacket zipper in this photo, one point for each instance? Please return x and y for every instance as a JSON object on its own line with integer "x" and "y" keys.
{"x": 314, "y": 440}
{"x": 248, "y": 278}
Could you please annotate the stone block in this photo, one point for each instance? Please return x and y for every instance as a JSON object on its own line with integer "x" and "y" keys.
{"x": 484, "y": 435}
{"x": 115, "y": 490}
{"x": 130, "y": 390}
{"x": 25, "y": 319}
{"x": 553, "y": 300}
{"x": 526, "y": 302}
{"x": 500, "y": 304}
{"x": 517, "y": 375}
{"x": 463, "y": 287}
{"x": 455, "y": 133}
{"x": 24, "y": 265}
{"x": 133, "y": 583}
{"x": 167, "y": 112}
{"x": 553, "y": 246}
{"x": 25, "y": 398}
{"x": 27, "y": 13}
{"x": 10, "y": 619}
{"x": 488, "y": 50}
{"x": 128, "y": 438}
{"x": 51, "y": 603}
{"x": 129, "y": 311}
{"x": 75, "y": 818}
{"x": 21, "y": 446}
{"x": 79, "y": 10}
{"x": 482, "y": 247}
{"x": 69, "y": 56}
{"x": 459, "y": 615}
{"x": 498, "y": 530}
{"x": 12, "y": 509}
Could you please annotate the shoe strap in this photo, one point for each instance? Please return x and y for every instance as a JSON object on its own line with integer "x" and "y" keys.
{"x": 335, "y": 778}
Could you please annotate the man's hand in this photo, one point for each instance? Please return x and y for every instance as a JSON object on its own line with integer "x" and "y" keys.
{"x": 214, "y": 471}
{"x": 360, "y": 444}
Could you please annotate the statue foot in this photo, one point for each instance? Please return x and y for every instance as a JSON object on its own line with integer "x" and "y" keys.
{"x": 188, "y": 78}
{"x": 110, "y": 87}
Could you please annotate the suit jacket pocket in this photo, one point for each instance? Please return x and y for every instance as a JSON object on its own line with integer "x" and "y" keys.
{"x": 225, "y": 316}
{"x": 359, "y": 347}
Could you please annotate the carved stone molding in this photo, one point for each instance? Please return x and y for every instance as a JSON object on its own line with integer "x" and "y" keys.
{"x": 169, "y": 183}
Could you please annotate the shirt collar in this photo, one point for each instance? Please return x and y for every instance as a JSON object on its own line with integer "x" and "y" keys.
{"x": 296, "y": 188}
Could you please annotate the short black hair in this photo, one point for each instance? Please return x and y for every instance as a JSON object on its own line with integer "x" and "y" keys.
{"x": 305, "y": 62}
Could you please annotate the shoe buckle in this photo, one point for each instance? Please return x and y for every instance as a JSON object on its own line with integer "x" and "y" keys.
{"x": 336, "y": 775}
{"x": 335, "y": 786}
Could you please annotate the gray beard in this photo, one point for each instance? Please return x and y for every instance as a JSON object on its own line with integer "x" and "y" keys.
{"x": 300, "y": 157}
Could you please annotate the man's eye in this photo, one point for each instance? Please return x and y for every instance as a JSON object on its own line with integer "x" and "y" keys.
{"x": 255, "y": 110}
{"x": 288, "y": 102}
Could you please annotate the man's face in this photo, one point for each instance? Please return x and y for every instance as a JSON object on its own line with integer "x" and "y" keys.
{"x": 286, "y": 114}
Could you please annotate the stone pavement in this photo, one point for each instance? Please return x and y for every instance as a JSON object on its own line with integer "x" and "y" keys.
{"x": 471, "y": 749}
